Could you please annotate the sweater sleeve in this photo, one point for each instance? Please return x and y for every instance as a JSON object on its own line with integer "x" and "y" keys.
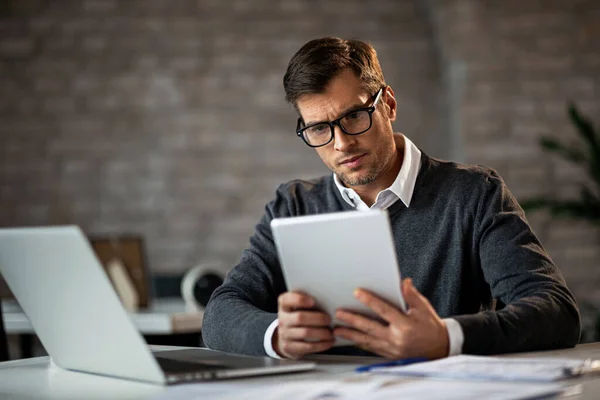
{"x": 540, "y": 312}
{"x": 242, "y": 308}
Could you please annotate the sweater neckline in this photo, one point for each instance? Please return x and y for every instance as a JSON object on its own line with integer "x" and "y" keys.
{"x": 397, "y": 206}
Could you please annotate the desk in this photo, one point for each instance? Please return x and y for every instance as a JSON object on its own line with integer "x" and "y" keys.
{"x": 165, "y": 317}
{"x": 36, "y": 378}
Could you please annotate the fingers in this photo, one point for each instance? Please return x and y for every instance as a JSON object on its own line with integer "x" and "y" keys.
{"x": 297, "y": 349}
{"x": 363, "y": 324}
{"x": 294, "y": 311}
{"x": 301, "y": 330}
{"x": 307, "y": 334}
{"x": 304, "y": 318}
{"x": 418, "y": 333}
{"x": 364, "y": 341}
{"x": 290, "y": 301}
{"x": 364, "y": 332}
{"x": 415, "y": 300}
{"x": 385, "y": 310}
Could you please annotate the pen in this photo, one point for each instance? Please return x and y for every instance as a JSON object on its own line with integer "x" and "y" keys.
{"x": 395, "y": 363}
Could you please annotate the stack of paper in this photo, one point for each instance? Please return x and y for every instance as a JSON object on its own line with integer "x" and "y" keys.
{"x": 365, "y": 387}
{"x": 491, "y": 368}
{"x": 465, "y": 390}
{"x": 311, "y": 389}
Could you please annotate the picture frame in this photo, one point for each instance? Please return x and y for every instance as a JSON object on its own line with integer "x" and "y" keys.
{"x": 130, "y": 251}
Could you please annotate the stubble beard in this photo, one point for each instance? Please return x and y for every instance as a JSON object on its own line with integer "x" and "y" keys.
{"x": 349, "y": 180}
{"x": 373, "y": 172}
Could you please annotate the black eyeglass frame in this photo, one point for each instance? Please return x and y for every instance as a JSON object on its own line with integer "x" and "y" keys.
{"x": 300, "y": 130}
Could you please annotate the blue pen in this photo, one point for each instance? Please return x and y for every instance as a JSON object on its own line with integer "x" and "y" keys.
{"x": 395, "y": 363}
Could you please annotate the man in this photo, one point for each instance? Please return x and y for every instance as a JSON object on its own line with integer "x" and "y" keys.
{"x": 460, "y": 237}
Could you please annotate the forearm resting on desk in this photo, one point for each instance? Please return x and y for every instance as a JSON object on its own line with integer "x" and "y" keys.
{"x": 235, "y": 326}
{"x": 540, "y": 322}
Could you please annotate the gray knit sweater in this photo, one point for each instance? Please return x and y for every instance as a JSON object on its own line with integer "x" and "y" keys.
{"x": 464, "y": 241}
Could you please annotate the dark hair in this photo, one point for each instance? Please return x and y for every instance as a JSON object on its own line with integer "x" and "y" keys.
{"x": 320, "y": 60}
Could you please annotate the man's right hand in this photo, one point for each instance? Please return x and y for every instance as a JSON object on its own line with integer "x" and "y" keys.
{"x": 302, "y": 329}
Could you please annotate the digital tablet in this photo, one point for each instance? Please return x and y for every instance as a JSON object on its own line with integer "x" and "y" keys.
{"x": 328, "y": 256}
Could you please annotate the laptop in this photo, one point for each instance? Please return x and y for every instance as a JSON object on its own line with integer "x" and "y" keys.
{"x": 71, "y": 304}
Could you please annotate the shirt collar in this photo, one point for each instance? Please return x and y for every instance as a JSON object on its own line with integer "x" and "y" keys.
{"x": 404, "y": 184}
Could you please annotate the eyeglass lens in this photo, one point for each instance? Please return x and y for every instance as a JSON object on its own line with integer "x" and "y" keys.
{"x": 352, "y": 123}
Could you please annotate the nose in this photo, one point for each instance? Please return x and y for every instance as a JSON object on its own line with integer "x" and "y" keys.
{"x": 342, "y": 142}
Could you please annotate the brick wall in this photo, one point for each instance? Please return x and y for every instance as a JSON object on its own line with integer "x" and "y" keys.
{"x": 167, "y": 118}
{"x": 524, "y": 60}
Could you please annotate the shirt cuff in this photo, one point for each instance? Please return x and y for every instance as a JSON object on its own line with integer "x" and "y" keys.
{"x": 456, "y": 337}
{"x": 268, "y": 340}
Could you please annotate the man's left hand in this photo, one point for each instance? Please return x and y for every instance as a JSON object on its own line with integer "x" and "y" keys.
{"x": 418, "y": 333}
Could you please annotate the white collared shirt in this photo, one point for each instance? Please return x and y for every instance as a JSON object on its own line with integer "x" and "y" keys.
{"x": 401, "y": 189}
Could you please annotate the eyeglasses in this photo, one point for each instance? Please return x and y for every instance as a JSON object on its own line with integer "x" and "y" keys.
{"x": 354, "y": 122}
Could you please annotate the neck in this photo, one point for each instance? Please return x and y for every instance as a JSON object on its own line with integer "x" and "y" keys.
{"x": 368, "y": 193}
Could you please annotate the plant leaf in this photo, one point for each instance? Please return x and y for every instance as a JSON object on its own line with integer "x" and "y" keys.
{"x": 587, "y": 132}
{"x": 587, "y": 206}
{"x": 575, "y": 209}
{"x": 570, "y": 153}
{"x": 536, "y": 203}
{"x": 591, "y": 202}
{"x": 584, "y": 127}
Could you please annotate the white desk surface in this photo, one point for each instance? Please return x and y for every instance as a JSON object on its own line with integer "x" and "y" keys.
{"x": 36, "y": 378}
{"x": 165, "y": 316}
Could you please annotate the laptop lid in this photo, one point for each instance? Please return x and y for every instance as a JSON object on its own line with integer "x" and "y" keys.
{"x": 71, "y": 304}
{"x": 54, "y": 274}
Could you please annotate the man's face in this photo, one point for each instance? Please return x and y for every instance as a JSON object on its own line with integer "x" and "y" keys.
{"x": 361, "y": 159}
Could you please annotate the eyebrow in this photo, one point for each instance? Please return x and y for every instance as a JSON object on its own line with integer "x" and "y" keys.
{"x": 346, "y": 111}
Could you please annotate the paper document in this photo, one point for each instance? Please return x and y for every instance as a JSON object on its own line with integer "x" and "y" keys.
{"x": 371, "y": 388}
{"x": 313, "y": 390}
{"x": 491, "y": 368}
{"x": 359, "y": 387}
{"x": 466, "y": 390}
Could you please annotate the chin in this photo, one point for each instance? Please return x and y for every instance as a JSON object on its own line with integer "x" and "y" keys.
{"x": 356, "y": 179}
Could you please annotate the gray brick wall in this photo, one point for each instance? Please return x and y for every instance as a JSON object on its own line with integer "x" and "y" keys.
{"x": 166, "y": 118}
{"x": 524, "y": 61}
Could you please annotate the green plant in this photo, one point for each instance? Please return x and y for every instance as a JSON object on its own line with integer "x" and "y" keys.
{"x": 587, "y": 206}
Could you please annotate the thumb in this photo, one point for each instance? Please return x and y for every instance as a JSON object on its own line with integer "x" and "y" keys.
{"x": 413, "y": 298}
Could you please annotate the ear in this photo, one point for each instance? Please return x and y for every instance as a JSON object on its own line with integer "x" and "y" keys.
{"x": 390, "y": 101}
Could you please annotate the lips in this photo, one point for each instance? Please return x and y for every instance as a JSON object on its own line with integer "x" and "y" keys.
{"x": 352, "y": 159}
